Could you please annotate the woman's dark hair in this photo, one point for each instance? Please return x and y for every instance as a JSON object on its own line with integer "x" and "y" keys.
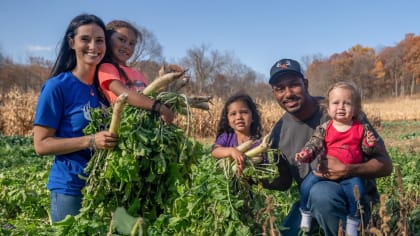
{"x": 66, "y": 59}
{"x": 111, "y": 28}
{"x": 256, "y": 127}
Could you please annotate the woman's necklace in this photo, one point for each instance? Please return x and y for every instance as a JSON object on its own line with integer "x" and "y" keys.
{"x": 92, "y": 89}
{"x": 91, "y": 86}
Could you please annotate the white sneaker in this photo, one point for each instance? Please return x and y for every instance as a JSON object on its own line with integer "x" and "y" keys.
{"x": 305, "y": 223}
{"x": 352, "y": 226}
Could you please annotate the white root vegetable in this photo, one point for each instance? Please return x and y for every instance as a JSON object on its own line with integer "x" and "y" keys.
{"x": 199, "y": 99}
{"x": 162, "y": 81}
{"x": 202, "y": 106}
{"x": 200, "y": 102}
{"x": 245, "y": 146}
{"x": 260, "y": 149}
{"x": 257, "y": 159}
{"x": 117, "y": 112}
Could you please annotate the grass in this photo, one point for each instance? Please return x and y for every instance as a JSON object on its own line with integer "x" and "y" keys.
{"x": 24, "y": 198}
{"x": 402, "y": 135}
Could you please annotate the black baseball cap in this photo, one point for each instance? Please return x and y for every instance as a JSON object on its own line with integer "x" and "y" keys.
{"x": 285, "y": 66}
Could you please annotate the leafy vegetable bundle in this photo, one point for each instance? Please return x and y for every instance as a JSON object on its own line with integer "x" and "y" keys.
{"x": 141, "y": 174}
{"x": 148, "y": 177}
{"x": 216, "y": 205}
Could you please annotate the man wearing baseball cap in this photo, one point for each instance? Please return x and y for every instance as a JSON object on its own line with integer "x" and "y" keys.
{"x": 283, "y": 67}
{"x": 327, "y": 202}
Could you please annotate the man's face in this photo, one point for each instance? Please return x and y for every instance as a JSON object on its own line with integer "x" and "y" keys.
{"x": 290, "y": 92}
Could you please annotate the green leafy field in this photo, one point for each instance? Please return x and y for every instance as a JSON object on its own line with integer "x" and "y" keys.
{"x": 204, "y": 208}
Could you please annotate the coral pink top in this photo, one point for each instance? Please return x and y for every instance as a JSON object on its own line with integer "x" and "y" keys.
{"x": 107, "y": 72}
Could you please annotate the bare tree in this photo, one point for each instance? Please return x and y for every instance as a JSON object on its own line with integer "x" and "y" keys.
{"x": 239, "y": 78}
{"x": 148, "y": 48}
{"x": 307, "y": 60}
{"x": 204, "y": 65}
{"x": 219, "y": 74}
{"x": 148, "y": 68}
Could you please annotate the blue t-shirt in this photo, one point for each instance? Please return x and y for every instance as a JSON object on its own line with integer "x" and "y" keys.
{"x": 64, "y": 104}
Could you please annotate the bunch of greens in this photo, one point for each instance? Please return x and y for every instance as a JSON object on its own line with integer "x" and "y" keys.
{"x": 212, "y": 206}
{"x": 142, "y": 174}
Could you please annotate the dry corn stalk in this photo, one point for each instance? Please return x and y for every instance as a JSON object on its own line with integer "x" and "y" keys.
{"x": 17, "y": 109}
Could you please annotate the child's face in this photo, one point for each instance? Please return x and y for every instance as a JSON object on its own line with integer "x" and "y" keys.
{"x": 123, "y": 43}
{"x": 340, "y": 106}
{"x": 239, "y": 117}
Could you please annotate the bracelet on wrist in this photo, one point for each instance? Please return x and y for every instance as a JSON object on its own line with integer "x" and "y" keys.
{"x": 92, "y": 143}
{"x": 156, "y": 106}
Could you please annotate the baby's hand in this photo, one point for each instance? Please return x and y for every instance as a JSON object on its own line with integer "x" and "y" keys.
{"x": 370, "y": 139}
{"x": 301, "y": 157}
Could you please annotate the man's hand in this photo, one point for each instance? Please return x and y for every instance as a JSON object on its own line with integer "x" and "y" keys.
{"x": 331, "y": 168}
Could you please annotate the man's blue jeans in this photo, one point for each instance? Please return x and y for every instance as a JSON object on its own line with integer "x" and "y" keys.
{"x": 63, "y": 205}
{"x": 328, "y": 204}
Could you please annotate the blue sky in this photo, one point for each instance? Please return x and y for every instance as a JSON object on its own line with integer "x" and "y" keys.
{"x": 256, "y": 32}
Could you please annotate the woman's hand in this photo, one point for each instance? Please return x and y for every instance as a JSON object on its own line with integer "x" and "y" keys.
{"x": 105, "y": 140}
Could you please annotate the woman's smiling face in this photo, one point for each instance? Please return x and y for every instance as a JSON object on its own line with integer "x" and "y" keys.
{"x": 89, "y": 44}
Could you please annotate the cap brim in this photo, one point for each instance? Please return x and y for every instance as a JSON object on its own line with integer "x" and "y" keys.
{"x": 278, "y": 75}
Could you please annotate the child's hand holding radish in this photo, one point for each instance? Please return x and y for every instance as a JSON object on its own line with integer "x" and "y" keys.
{"x": 239, "y": 158}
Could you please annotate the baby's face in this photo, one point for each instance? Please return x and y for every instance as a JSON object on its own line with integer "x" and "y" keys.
{"x": 340, "y": 105}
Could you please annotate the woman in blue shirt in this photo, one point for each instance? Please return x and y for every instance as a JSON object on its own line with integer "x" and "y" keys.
{"x": 63, "y": 111}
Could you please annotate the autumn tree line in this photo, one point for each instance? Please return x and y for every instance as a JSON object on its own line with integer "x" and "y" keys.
{"x": 392, "y": 71}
